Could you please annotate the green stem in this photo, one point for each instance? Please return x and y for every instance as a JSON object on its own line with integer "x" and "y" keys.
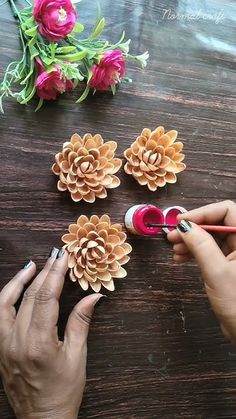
{"x": 15, "y": 11}
{"x": 22, "y": 40}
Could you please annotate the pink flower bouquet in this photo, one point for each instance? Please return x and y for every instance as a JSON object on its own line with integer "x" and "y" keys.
{"x": 56, "y": 58}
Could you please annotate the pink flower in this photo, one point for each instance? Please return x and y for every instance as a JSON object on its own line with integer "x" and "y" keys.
{"x": 48, "y": 85}
{"x": 108, "y": 71}
{"x": 56, "y": 18}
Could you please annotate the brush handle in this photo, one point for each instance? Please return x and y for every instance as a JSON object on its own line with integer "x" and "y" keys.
{"x": 219, "y": 229}
{"x": 207, "y": 227}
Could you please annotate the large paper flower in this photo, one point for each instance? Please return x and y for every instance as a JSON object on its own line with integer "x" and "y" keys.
{"x": 109, "y": 71}
{"x": 97, "y": 250}
{"x": 56, "y": 18}
{"x": 155, "y": 158}
{"x": 86, "y": 167}
{"x": 49, "y": 85}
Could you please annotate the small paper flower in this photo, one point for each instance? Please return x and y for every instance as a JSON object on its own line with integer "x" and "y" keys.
{"x": 56, "y": 18}
{"x": 109, "y": 71}
{"x": 155, "y": 158}
{"x": 48, "y": 85}
{"x": 97, "y": 250}
{"x": 86, "y": 167}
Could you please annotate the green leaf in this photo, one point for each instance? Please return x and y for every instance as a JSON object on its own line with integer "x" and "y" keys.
{"x": 24, "y": 27}
{"x": 50, "y": 69}
{"x": 125, "y": 46}
{"x": 75, "y": 83}
{"x": 92, "y": 53}
{"x": 33, "y": 52}
{"x": 32, "y": 31}
{"x": 40, "y": 104}
{"x": 122, "y": 37}
{"x": 78, "y": 27}
{"x": 84, "y": 95}
{"x": 90, "y": 74}
{"x": 142, "y": 59}
{"x": 99, "y": 11}
{"x": 43, "y": 53}
{"x": 52, "y": 49}
{"x": 127, "y": 79}
{"x": 73, "y": 57}
{"x": 98, "y": 29}
{"x": 71, "y": 71}
{"x": 1, "y": 105}
{"x": 65, "y": 50}
{"x": 27, "y": 99}
{"x": 113, "y": 89}
{"x": 46, "y": 60}
{"x": 88, "y": 69}
{"x": 105, "y": 45}
{"x": 28, "y": 23}
{"x": 32, "y": 42}
{"x": 27, "y": 11}
{"x": 24, "y": 93}
{"x": 30, "y": 72}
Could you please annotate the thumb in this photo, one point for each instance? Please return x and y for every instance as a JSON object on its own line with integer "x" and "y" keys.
{"x": 79, "y": 320}
{"x": 204, "y": 248}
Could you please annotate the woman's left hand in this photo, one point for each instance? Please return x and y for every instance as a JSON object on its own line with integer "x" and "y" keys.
{"x": 43, "y": 377}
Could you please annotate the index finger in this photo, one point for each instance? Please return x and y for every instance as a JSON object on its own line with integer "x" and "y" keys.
{"x": 46, "y": 305}
{"x": 221, "y": 212}
{"x": 12, "y": 292}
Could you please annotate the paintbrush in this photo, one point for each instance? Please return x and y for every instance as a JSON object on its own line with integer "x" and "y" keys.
{"x": 218, "y": 229}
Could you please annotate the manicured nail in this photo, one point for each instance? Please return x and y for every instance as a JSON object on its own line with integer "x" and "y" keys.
{"x": 53, "y": 253}
{"x": 184, "y": 226}
{"x": 100, "y": 300}
{"x": 27, "y": 265}
{"x": 60, "y": 253}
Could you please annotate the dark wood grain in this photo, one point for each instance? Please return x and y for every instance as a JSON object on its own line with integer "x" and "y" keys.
{"x": 155, "y": 347}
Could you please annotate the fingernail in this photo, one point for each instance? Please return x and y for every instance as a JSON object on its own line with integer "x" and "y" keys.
{"x": 60, "y": 253}
{"x": 100, "y": 300}
{"x": 184, "y": 226}
{"x": 27, "y": 265}
{"x": 53, "y": 253}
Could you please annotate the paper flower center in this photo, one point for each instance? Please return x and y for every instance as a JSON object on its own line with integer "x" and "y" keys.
{"x": 149, "y": 160}
{"x": 91, "y": 250}
{"x": 86, "y": 167}
{"x": 62, "y": 15}
{"x": 150, "y": 157}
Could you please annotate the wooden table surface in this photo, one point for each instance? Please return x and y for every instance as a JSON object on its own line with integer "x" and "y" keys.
{"x": 155, "y": 347}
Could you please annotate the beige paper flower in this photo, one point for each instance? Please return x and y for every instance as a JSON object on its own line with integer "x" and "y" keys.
{"x": 155, "y": 158}
{"x": 86, "y": 167}
{"x": 97, "y": 250}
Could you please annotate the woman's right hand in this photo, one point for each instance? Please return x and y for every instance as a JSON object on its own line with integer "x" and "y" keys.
{"x": 216, "y": 258}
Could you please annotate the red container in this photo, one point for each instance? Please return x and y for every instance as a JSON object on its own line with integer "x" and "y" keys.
{"x": 138, "y": 217}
